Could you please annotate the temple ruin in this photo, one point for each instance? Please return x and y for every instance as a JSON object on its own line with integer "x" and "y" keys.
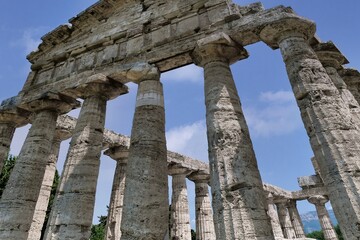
{"x": 115, "y": 42}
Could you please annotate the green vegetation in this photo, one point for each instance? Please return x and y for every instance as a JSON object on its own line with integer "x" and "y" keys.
{"x": 98, "y": 230}
{"x": 319, "y": 235}
{"x": 5, "y": 173}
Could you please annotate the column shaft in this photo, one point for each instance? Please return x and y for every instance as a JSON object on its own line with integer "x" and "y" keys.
{"x": 19, "y": 199}
{"x": 45, "y": 192}
{"x": 285, "y": 221}
{"x": 180, "y": 215}
{"x": 116, "y": 203}
{"x": 204, "y": 216}
{"x": 238, "y": 197}
{"x": 6, "y": 135}
{"x": 275, "y": 223}
{"x": 72, "y": 213}
{"x": 295, "y": 219}
{"x": 325, "y": 223}
{"x": 334, "y": 135}
{"x": 146, "y": 204}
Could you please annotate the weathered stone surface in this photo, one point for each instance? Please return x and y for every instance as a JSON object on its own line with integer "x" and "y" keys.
{"x": 146, "y": 209}
{"x": 285, "y": 220}
{"x": 352, "y": 80}
{"x": 324, "y": 218}
{"x": 295, "y": 219}
{"x": 179, "y": 211}
{"x": 113, "y": 223}
{"x": 238, "y": 196}
{"x": 72, "y": 212}
{"x": 204, "y": 215}
{"x": 310, "y": 181}
{"x": 333, "y": 132}
{"x": 275, "y": 222}
{"x": 19, "y": 199}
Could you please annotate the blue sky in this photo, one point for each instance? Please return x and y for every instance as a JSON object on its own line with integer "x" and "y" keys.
{"x": 280, "y": 141}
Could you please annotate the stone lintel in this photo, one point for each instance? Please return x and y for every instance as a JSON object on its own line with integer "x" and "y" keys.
{"x": 175, "y": 169}
{"x": 51, "y": 101}
{"x": 306, "y": 193}
{"x": 118, "y": 153}
{"x": 329, "y": 55}
{"x": 293, "y": 26}
{"x": 218, "y": 46}
{"x": 310, "y": 181}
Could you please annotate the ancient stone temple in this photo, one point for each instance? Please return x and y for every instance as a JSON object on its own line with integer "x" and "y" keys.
{"x": 115, "y": 42}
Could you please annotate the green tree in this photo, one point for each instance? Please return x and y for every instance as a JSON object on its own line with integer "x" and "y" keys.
{"x": 319, "y": 235}
{"x": 193, "y": 234}
{"x": 5, "y": 173}
{"x": 98, "y": 230}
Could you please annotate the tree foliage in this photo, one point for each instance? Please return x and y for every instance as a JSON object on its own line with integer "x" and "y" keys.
{"x": 98, "y": 230}
{"x": 319, "y": 235}
{"x": 5, "y": 172}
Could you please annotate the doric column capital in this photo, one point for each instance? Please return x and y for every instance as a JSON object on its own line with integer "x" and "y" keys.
{"x": 176, "y": 170}
{"x": 350, "y": 75}
{"x": 329, "y": 55}
{"x": 217, "y": 47}
{"x": 274, "y": 32}
{"x": 118, "y": 153}
{"x": 11, "y": 114}
{"x": 197, "y": 177}
{"x": 318, "y": 200}
{"x": 52, "y": 101}
{"x": 99, "y": 85}
{"x": 291, "y": 203}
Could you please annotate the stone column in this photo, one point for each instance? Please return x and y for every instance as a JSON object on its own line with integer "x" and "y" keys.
{"x": 333, "y": 131}
{"x": 238, "y": 198}
{"x": 146, "y": 203}
{"x": 8, "y": 123}
{"x": 45, "y": 192}
{"x": 332, "y": 60}
{"x": 72, "y": 212}
{"x": 295, "y": 219}
{"x": 204, "y": 215}
{"x": 17, "y": 205}
{"x": 324, "y": 218}
{"x": 274, "y": 217}
{"x": 352, "y": 80}
{"x": 120, "y": 154}
{"x": 179, "y": 211}
{"x": 285, "y": 220}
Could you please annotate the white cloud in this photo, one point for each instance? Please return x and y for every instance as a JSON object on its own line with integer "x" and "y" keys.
{"x": 280, "y": 116}
{"x": 189, "y": 73}
{"x": 278, "y": 97}
{"x": 189, "y": 140}
{"x": 30, "y": 39}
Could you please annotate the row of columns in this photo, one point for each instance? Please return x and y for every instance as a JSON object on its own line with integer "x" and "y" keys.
{"x": 239, "y": 203}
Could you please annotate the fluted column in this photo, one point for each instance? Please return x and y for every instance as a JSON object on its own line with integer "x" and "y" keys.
{"x": 146, "y": 204}
{"x": 8, "y": 124}
{"x": 274, "y": 217}
{"x": 324, "y": 218}
{"x": 72, "y": 212}
{"x": 238, "y": 198}
{"x": 295, "y": 219}
{"x": 179, "y": 212}
{"x": 333, "y": 131}
{"x": 285, "y": 220}
{"x": 204, "y": 215}
{"x": 17, "y": 205}
{"x": 113, "y": 223}
{"x": 45, "y": 192}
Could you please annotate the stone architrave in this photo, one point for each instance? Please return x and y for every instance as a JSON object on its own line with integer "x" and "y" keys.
{"x": 295, "y": 219}
{"x": 240, "y": 209}
{"x": 274, "y": 217}
{"x": 285, "y": 220}
{"x": 113, "y": 223}
{"x": 72, "y": 212}
{"x": 324, "y": 218}
{"x": 179, "y": 211}
{"x": 333, "y": 131}
{"x": 204, "y": 215}
{"x": 146, "y": 204}
{"x": 18, "y": 202}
